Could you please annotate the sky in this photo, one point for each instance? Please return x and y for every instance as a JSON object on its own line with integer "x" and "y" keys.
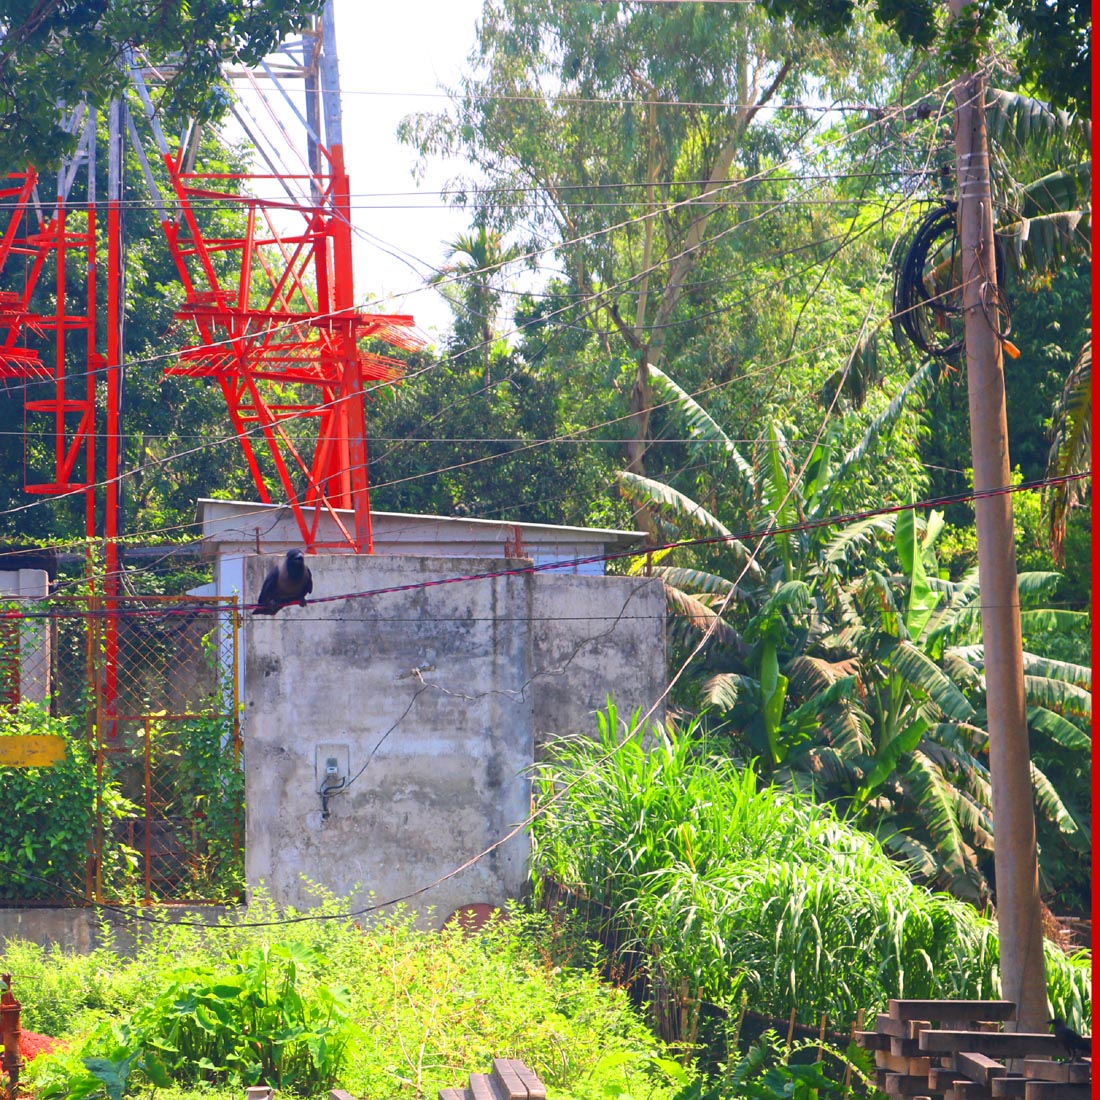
{"x": 393, "y": 59}
{"x": 391, "y": 65}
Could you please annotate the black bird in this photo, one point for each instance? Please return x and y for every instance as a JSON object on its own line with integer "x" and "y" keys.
{"x": 288, "y": 582}
{"x": 1075, "y": 1044}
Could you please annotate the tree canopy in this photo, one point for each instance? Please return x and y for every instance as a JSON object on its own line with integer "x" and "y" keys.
{"x": 1052, "y": 38}
{"x": 55, "y": 53}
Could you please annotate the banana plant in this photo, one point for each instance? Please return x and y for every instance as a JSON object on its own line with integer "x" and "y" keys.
{"x": 907, "y": 754}
{"x": 1042, "y": 163}
{"x": 1070, "y": 450}
{"x": 759, "y": 582}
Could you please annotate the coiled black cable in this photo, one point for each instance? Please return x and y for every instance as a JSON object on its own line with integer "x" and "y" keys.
{"x": 926, "y": 287}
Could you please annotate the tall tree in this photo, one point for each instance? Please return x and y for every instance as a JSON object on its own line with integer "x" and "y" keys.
{"x": 628, "y": 128}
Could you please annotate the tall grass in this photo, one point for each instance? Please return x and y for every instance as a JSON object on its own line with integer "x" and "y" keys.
{"x": 733, "y": 891}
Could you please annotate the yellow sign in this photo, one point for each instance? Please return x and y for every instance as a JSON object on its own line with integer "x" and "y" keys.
{"x": 31, "y": 750}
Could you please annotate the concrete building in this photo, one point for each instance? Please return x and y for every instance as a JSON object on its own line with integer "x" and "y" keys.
{"x": 390, "y": 726}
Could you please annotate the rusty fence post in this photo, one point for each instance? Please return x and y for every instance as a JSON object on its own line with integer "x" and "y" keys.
{"x": 11, "y": 1061}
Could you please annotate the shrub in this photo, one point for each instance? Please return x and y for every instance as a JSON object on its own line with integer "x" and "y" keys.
{"x": 423, "y": 1011}
{"x": 258, "y": 1018}
{"x": 49, "y": 813}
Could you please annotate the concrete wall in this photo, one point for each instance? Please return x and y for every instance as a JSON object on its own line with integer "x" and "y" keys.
{"x": 34, "y": 637}
{"x": 430, "y": 702}
{"x": 81, "y": 931}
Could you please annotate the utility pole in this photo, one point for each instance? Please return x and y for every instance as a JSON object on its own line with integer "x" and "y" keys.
{"x": 1019, "y": 920}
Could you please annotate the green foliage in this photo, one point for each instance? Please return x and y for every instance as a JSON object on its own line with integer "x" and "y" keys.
{"x": 730, "y": 889}
{"x": 50, "y": 813}
{"x": 770, "y": 1068}
{"x": 1053, "y": 49}
{"x": 420, "y": 1009}
{"x": 55, "y": 55}
{"x": 62, "y": 992}
{"x": 257, "y": 1018}
{"x": 209, "y": 792}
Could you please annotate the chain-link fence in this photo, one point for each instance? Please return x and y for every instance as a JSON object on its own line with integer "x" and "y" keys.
{"x": 145, "y": 689}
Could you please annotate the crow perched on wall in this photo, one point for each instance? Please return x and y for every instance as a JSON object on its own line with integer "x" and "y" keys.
{"x": 288, "y": 582}
{"x": 1075, "y": 1044}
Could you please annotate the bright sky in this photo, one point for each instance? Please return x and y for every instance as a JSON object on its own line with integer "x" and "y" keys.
{"x": 393, "y": 58}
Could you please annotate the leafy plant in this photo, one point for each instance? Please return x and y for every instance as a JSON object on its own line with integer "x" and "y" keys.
{"x": 906, "y": 748}
{"x": 424, "y": 1008}
{"x": 50, "y": 813}
{"x": 259, "y": 1018}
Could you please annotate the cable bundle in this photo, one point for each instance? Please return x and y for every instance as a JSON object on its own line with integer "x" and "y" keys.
{"x": 926, "y": 287}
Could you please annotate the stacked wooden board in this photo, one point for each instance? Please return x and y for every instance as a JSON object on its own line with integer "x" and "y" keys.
{"x": 509, "y": 1080}
{"x": 959, "y": 1050}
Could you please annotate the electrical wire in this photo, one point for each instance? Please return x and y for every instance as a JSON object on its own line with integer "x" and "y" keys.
{"x": 747, "y": 536}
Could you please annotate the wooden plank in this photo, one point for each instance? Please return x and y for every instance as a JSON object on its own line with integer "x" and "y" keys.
{"x": 340, "y": 1094}
{"x": 887, "y": 1025}
{"x": 908, "y": 1048}
{"x": 480, "y": 1088}
{"x": 506, "y": 1082}
{"x": 1077, "y": 1073}
{"x": 999, "y": 1044}
{"x": 872, "y": 1040}
{"x": 966, "y": 1090}
{"x": 902, "y": 1084}
{"x": 897, "y": 1063}
{"x": 950, "y": 1012}
{"x": 1008, "y": 1086}
{"x": 31, "y": 750}
{"x": 943, "y": 1077}
{"x": 1056, "y": 1090}
{"x": 451, "y": 1094}
{"x": 900, "y": 1029}
{"x": 536, "y": 1090}
{"x": 979, "y": 1067}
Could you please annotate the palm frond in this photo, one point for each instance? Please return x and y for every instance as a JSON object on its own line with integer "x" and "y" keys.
{"x": 1053, "y": 808}
{"x": 1034, "y": 619}
{"x": 669, "y": 501}
{"x": 1021, "y": 121}
{"x": 921, "y": 672}
{"x": 792, "y": 596}
{"x": 1041, "y": 244}
{"x": 703, "y": 427}
{"x": 812, "y": 674}
{"x": 1066, "y": 671}
{"x": 847, "y": 729}
{"x": 856, "y": 535}
{"x": 1037, "y": 585}
{"x": 916, "y": 856}
{"x": 1057, "y": 728}
{"x": 701, "y": 617}
{"x": 933, "y": 797}
{"x": 696, "y": 580}
{"x": 1070, "y": 450}
{"x": 726, "y": 689}
{"x": 1058, "y": 696}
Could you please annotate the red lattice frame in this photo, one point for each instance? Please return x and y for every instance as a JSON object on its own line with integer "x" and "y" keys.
{"x": 280, "y": 334}
{"x": 48, "y": 254}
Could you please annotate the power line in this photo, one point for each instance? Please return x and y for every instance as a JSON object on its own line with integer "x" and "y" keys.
{"x": 745, "y": 536}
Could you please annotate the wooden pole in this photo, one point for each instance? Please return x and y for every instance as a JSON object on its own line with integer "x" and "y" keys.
{"x": 1019, "y": 921}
